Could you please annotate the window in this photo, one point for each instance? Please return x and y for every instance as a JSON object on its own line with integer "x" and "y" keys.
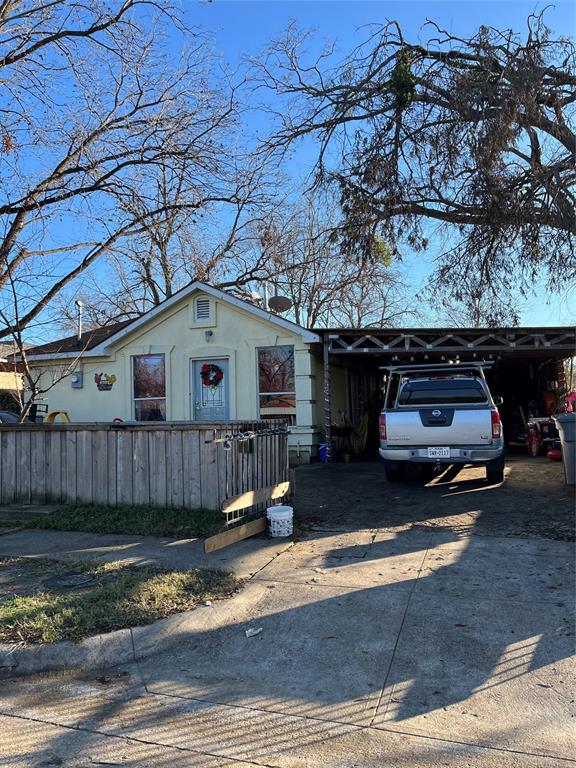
{"x": 202, "y": 309}
{"x": 276, "y": 383}
{"x": 442, "y": 391}
{"x": 149, "y": 375}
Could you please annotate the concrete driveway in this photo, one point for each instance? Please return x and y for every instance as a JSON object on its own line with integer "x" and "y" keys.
{"x": 401, "y": 629}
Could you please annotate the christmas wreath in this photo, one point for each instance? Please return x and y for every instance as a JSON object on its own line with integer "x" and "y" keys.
{"x": 211, "y": 374}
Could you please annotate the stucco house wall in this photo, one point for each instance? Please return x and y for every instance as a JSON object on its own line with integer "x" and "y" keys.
{"x": 234, "y": 332}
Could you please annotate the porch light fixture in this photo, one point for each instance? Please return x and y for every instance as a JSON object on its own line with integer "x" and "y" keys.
{"x": 208, "y": 335}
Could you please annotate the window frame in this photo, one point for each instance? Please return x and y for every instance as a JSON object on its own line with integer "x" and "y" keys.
{"x": 147, "y": 399}
{"x": 291, "y": 418}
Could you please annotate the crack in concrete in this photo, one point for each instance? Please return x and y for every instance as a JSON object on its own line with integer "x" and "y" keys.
{"x": 288, "y": 546}
{"x": 393, "y": 656}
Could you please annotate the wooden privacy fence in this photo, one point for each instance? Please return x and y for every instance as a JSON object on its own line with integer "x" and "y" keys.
{"x": 209, "y": 466}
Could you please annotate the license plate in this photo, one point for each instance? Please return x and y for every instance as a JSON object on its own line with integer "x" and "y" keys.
{"x": 438, "y": 453}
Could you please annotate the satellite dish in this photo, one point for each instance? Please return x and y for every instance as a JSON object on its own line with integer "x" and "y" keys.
{"x": 279, "y": 303}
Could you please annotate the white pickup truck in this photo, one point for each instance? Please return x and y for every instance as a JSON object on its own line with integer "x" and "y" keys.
{"x": 441, "y": 414}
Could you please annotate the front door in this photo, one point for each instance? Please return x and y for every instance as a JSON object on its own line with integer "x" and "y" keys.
{"x": 210, "y": 390}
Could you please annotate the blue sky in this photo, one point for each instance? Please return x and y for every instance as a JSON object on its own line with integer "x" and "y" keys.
{"x": 243, "y": 28}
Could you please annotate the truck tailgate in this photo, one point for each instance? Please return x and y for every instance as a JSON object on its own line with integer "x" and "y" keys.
{"x": 422, "y": 427}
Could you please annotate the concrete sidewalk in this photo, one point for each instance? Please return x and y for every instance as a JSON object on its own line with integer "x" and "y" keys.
{"x": 244, "y": 559}
{"x": 418, "y": 648}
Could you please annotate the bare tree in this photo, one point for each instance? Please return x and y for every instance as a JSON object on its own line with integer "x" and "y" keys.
{"x": 37, "y": 379}
{"x": 472, "y": 137}
{"x": 304, "y": 261}
{"x": 176, "y": 247}
{"x": 288, "y": 245}
{"x": 92, "y": 108}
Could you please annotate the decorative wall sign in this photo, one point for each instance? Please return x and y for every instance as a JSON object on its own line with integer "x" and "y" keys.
{"x": 104, "y": 381}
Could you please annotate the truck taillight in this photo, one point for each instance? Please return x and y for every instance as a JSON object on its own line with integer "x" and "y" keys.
{"x": 496, "y": 424}
{"x": 382, "y": 426}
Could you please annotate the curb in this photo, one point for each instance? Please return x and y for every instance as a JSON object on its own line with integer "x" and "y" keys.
{"x": 97, "y": 651}
{"x": 124, "y": 645}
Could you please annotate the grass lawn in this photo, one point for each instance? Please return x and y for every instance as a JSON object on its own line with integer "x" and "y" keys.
{"x": 13, "y": 518}
{"x": 115, "y": 597}
{"x": 14, "y": 522}
{"x": 141, "y": 521}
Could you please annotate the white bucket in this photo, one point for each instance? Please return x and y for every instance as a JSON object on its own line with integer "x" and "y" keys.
{"x": 280, "y": 521}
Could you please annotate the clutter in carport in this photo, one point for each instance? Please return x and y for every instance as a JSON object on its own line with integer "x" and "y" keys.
{"x": 528, "y": 373}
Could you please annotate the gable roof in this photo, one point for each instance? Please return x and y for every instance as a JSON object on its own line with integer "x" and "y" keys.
{"x": 99, "y": 341}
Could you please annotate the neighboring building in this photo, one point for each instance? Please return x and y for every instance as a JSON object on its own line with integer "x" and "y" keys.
{"x": 10, "y": 380}
{"x": 201, "y": 355}
{"x": 204, "y": 355}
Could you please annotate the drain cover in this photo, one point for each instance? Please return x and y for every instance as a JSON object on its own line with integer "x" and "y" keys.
{"x": 69, "y": 580}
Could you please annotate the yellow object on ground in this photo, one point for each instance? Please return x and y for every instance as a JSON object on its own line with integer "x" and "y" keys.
{"x": 51, "y": 417}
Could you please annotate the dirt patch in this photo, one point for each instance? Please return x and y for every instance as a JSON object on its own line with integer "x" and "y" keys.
{"x": 533, "y": 501}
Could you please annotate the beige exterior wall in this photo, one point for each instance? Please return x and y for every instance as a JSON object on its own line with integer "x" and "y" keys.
{"x": 235, "y": 334}
{"x": 10, "y": 381}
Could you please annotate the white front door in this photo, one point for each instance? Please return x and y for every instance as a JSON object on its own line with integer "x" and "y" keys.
{"x": 210, "y": 389}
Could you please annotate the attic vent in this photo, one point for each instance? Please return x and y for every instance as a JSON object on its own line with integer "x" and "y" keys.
{"x": 202, "y": 311}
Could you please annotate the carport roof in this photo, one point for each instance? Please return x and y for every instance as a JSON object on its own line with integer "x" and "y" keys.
{"x": 420, "y": 344}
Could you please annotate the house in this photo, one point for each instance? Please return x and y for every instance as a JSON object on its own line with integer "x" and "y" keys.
{"x": 201, "y": 355}
{"x": 10, "y": 379}
{"x": 205, "y": 355}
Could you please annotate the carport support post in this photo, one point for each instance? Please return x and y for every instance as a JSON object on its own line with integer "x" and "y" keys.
{"x": 327, "y": 398}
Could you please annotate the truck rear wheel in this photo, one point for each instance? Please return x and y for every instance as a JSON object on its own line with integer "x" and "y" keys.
{"x": 395, "y": 471}
{"x": 495, "y": 471}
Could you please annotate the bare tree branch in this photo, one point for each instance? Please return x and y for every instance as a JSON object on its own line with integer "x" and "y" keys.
{"x": 473, "y": 135}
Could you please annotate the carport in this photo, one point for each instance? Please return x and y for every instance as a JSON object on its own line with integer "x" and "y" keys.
{"x": 527, "y": 370}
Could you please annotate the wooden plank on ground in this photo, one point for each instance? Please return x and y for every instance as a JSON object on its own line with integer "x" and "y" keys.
{"x": 226, "y": 538}
{"x": 258, "y": 496}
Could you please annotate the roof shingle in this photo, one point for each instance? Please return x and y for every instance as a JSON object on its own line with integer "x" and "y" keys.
{"x": 89, "y": 340}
